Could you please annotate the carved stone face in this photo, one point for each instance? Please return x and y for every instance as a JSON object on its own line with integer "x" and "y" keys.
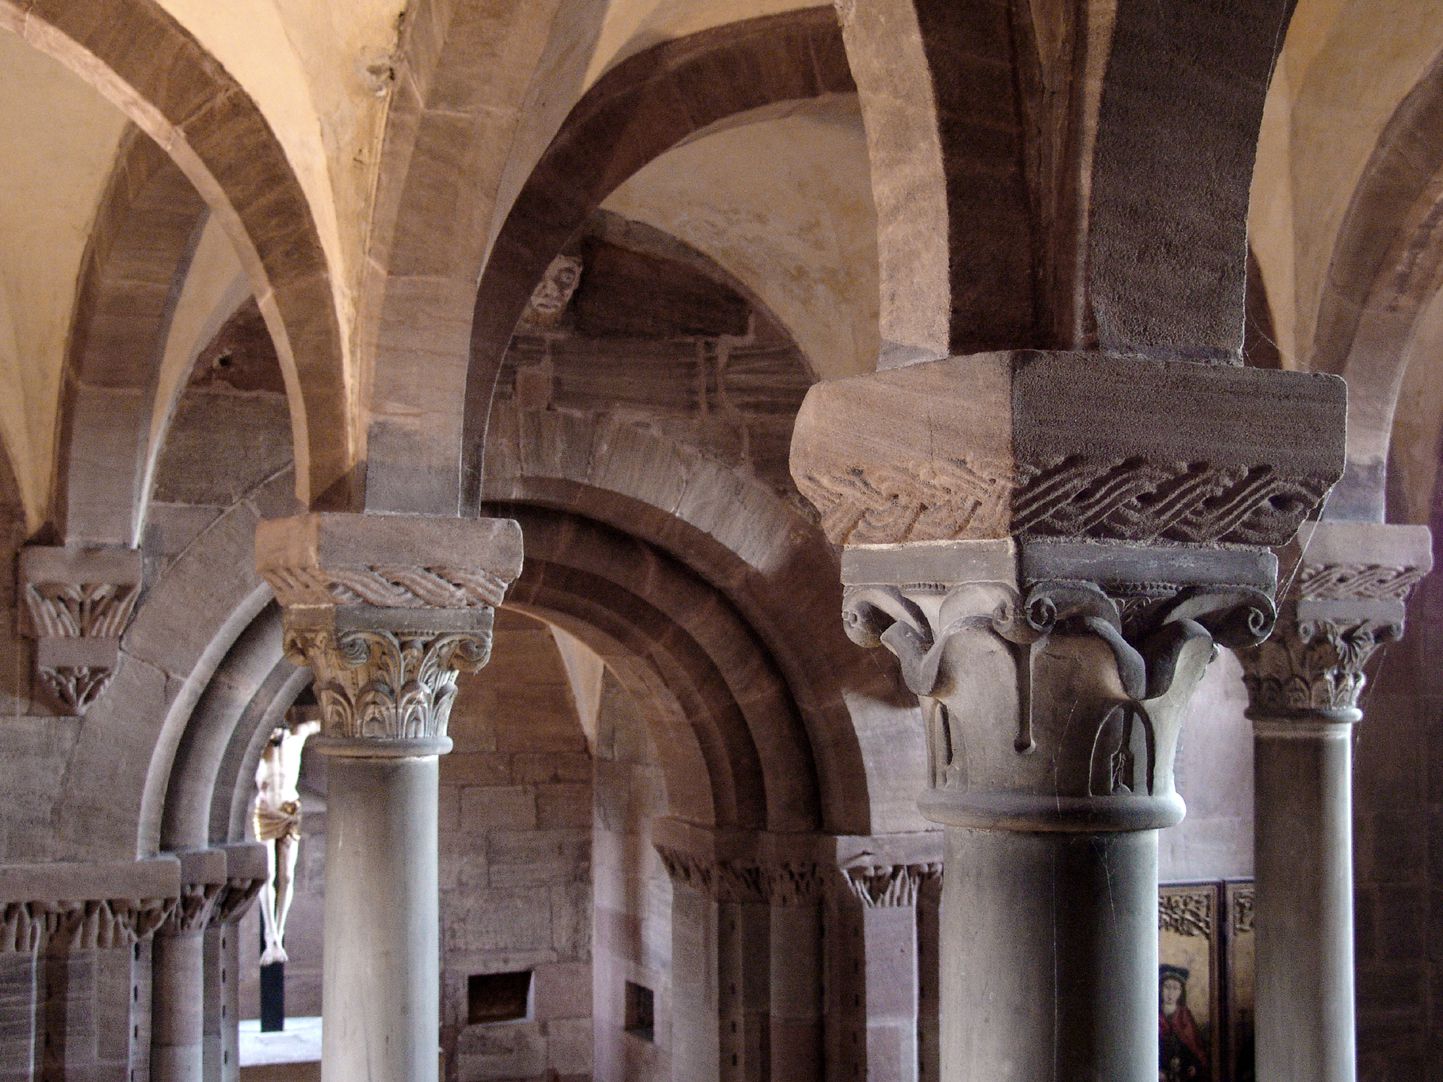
{"x": 550, "y": 298}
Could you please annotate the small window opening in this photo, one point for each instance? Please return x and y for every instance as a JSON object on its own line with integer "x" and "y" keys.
{"x": 498, "y": 997}
{"x": 640, "y": 1011}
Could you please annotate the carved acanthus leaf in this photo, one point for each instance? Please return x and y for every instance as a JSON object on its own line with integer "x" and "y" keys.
{"x": 75, "y": 687}
{"x": 94, "y": 924}
{"x": 1312, "y": 665}
{"x": 386, "y": 685}
{"x": 74, "y": 610}
{"x": 235, "y": 899}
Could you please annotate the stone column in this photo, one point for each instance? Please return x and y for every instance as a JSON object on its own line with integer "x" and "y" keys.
{"x": 177, "y": 1041}
{"x": 792, "y": 887}
{"x": 22, "y": 931}
{"x": 386, "y": 612}
{"x": 245, "y": 876}
{"x": 1346, "y": 598}
{"x": 1051, "y": 544}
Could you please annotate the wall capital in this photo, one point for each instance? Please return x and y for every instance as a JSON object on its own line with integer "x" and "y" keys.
{"x": 387, "y": 611}
{"x": 78, "y": 603}
{"x": 1346, "y": 597}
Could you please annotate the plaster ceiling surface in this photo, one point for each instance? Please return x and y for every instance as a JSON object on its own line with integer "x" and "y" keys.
{"x": 319, "y": 71}
{"x": 587, "y": 40}
{"x": 1345, "y": 67}
{"x": 60, "y": 139}
{"x": 784, "y": 205}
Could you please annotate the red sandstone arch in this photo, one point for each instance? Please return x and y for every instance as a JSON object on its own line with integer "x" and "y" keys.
{"x": 768, "y": 561}
{"x": 155, "y": 72}
{"x": 145, "y": 232}
{"x": 1386, "y": 266}
{"x": 641, "y": 108}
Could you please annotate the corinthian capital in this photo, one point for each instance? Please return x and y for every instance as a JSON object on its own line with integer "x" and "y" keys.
{"x": 1054, "y": 674}
{"x": 387, "y": 612}
{"x": 79, "y": 603}
{"x": 1346, "y": 598}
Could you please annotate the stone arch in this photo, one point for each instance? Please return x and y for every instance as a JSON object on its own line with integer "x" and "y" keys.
{"x": 146, "y": 230}
{"x": 1386, "y": 268}
{"x": 112, "y": 800}
{"x": 614, "y": 591}
{"x": 154, "y": 71}
{"x": 641, "y": 108}
{"x": 769, "y": 562}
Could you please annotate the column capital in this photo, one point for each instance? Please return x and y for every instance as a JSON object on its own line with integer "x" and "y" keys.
{"x": 1346, "y": 597}
{"x": 85, "y": 906}
{"x": 246, "y": 873}
{"x": 78, "y": 603}
{"x": 387, "y": 611}
{"x": 1054, "y": 674}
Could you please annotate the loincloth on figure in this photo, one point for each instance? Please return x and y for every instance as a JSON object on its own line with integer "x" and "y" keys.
{"x": 273, "y": 824}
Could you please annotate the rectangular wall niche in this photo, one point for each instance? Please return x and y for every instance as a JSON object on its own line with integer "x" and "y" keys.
{"x": 498, "y": 997}
{"x": 640, "y": 1011}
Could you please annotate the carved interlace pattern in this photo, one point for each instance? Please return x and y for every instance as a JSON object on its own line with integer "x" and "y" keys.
{"x": 1129, "y": 499}
{"x": 1347, "y": 582}
{"x": 1186, "y": 913}
{"x": 75, "y": 610}
{"x": 388, "y": 587}
{"x": 81, "y": 925}
{"x": 386, "y": 685}
{"x": 1312, "y": 665}
{"x": 889, "y": 885}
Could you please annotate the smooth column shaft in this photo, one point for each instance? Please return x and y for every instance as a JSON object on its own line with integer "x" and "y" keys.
{"x": 177, "y": 1046}
{"x": 381, "y": 979}
{"x": 1304, "y": 907}
{"x": 1049, "y": 957}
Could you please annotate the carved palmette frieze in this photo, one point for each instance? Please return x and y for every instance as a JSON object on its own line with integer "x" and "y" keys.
{"x": 194, "y": 908}
{"x": 736, "y": 880}
{"x": 1131, "y": 499}
{"x": 1312, "y": 666}
{"x": 74, "y": 610}
{"x": 385, "y": 685}
{"x": 881, "y": 886}
{"x": 75, "y": 687}
{"x": 95, "y": 924}
{"x": 401, "y": 587}
{"x": 1188, "y": 913}
{"x": 234, "y": 899}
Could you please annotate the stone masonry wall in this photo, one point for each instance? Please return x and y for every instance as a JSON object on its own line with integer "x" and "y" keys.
{"x": 633, "y": 895}
{"x": 515, "y": 824}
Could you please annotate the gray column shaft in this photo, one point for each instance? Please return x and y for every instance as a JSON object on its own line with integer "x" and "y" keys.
{"x": 695, "y": 1041}
{"x": 1304, "y": 907}
{"x": 1049, "y": 957}
{"x": 381, "y": 964}
{"x": 796, "y": 993}
{"x": 178, "y": 1007}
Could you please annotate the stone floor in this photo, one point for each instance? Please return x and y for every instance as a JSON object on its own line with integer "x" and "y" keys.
{"x": 298, "y": 1043}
